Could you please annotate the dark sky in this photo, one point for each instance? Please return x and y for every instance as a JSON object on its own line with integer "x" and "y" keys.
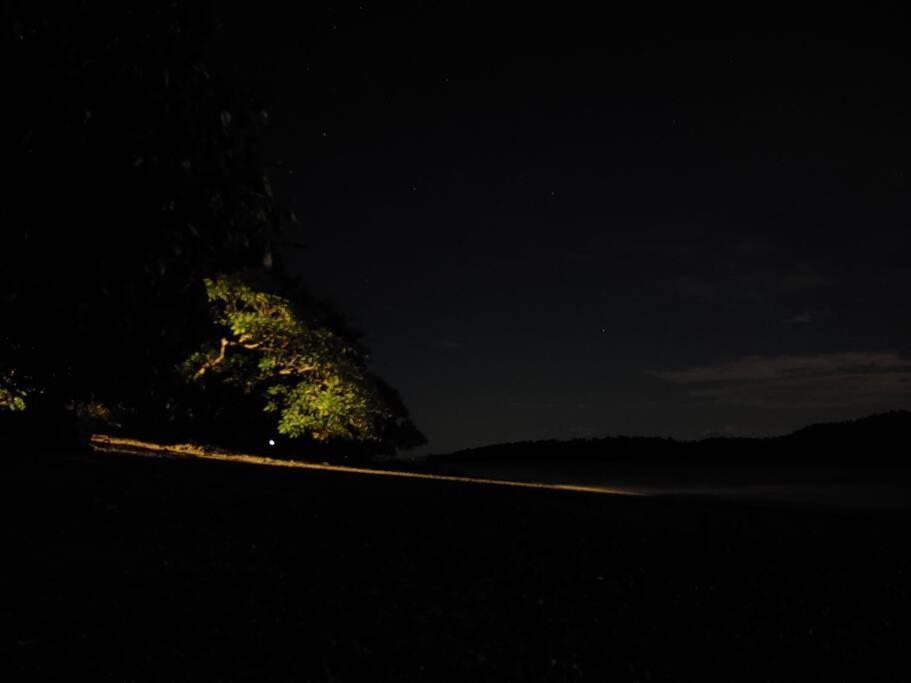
{"x": 561, "y": 224}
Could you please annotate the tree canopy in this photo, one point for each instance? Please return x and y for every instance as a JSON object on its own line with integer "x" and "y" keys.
{"x": 135, "y": 190}
{"x": 312, "y": 378}
{"x": 132, "y": 174}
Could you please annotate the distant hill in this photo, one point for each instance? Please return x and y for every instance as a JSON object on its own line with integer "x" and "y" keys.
{"x": 877, "y": 439}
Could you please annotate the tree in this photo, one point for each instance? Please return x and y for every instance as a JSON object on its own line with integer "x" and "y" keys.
{"x": 313, "y": 379}
{"x": 133, "y": 177}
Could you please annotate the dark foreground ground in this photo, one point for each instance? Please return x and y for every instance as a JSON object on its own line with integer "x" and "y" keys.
{"x": 125, "y": 569}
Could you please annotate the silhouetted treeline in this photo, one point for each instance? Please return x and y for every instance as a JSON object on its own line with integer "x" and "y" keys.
{"x": 874, "y": 440}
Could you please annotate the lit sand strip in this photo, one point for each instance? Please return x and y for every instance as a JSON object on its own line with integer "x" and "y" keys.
{"x": 110, "y": 444}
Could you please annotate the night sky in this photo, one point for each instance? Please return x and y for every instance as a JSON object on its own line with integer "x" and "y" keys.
{"x": 559, "y": 226}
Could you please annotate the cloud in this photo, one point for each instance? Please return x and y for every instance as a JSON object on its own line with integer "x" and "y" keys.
{"x": 799, "y": 278}
{"x": 731, "y": 279}
{"x": 825, "y": 380}
{"x": 804, "y": 318}
{"x": 573, "y": 256}
{"x": 693, "y": 289}
{"x": 447, "y": 344}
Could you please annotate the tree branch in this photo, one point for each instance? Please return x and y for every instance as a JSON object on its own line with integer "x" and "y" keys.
{"x": 211, "y": 363}
{"x": 297, "y": 369}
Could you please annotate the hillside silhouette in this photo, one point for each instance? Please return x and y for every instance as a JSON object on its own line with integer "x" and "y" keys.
{"x": 873, "y": 440}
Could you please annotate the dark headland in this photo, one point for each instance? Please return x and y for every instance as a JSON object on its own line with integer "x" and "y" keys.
{"x": 881, "y": 439}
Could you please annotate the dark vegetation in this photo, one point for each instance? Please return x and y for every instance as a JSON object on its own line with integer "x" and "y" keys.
{"x": 142, "y": 569}
{"x": 132, "y": 178}
{"x": 876, "y": 440}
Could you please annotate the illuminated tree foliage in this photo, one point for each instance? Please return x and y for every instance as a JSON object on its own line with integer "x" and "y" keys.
{"x": 132, "y": 181}
{"x": 11, "y": 397}
{"x": 314, "y": 380}
{"x": 18, "y": 390}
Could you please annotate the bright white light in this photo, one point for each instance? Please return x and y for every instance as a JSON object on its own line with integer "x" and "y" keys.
{"x": 271, "y": 442}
